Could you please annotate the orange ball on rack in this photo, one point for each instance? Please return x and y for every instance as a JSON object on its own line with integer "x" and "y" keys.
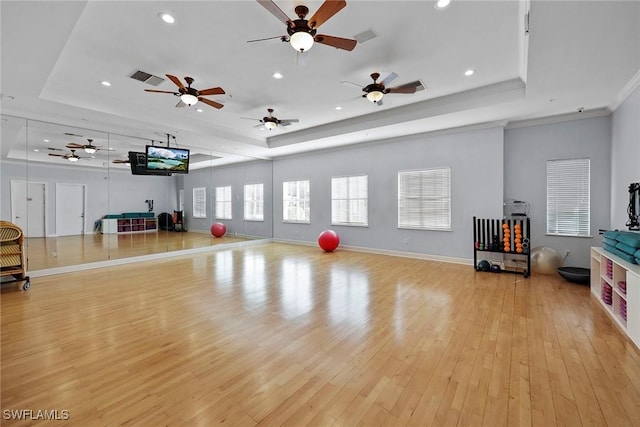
{"x": 517, "y": 226}
{"x": 519, "y": 250}
{"x": 505, "y": 240}
{"x": 517, "y": 239}
{"x": 505, "y": 226}
{"x": 507, "y": 248}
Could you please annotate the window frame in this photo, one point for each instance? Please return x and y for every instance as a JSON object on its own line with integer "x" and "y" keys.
{"x": 447, "y": 198}
{"x": 245, "y": 201}
{"x": 348, "y": 200}
{"x": 198, "y": 205}
{"x": 299, "y": 202}
{"x": 229, "y": 202}
{"x": 553, "y": 211}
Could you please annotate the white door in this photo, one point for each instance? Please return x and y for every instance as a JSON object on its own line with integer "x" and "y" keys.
{"x": 69, "y": 209}
{"x": 28, "y": 207}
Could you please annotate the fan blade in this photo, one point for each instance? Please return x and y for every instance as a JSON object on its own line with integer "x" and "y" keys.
{"x": 268, "y": 38}
{"x": 161, "y": 91}
{"x": 214, "y": 104}
{"x": 401, "y": 89}
{"x": 58, "y": 155}
{"x": 391, "y": 77}
{"x": 337, "y": 42}
{"x": 275, "y": 10}
{"x": 212, "y": 91}
{"x": 176, "y": 80}
{"x": 287, "y": 122}
{"x": 326, "y": 11}
{"x": 116, "y": 161}
{"x": 417, "y": 84}
{"x": 180, "y": 104}
{"x": 74, "y": 145}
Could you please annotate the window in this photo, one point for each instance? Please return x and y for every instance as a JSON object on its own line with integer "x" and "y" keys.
{"x": 349, "y": 200}
{"x": 200, "y": 202}
{"x": 295, "y": 202}
{"x": 568, "y": 197}
{"x": 254, "y": 202}
{"x": 424, "y": 199}
{"x": 223, "y": 202}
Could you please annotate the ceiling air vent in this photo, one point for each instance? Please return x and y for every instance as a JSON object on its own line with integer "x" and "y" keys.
{"x": 147, "y": 78}
{"x": 365, "y": 36}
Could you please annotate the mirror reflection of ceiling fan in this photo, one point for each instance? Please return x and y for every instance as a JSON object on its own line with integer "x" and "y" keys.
{"x": 375, "y": 91}
{"x": 71, "y": 156}
{"x": 270, "y": 122}
{"x": 301, "y": 33}
{"x": 121, "y": 161}
{"x": 88, "y": 148}
{"x": 190, "y": 96}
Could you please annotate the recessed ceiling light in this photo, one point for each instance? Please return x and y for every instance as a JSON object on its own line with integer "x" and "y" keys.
{"x": 338, "y": 108}
{"x": 105, "y": 83}
{"x": 469, "y": 72}
{"x": 36, "y": 150}
{"x": 166, "y": 17}
{"x": 441, "y": 4}
{"x": 199, "y": 110}
{"x": 45, "y": 140}
{"x": 277, "y": 75}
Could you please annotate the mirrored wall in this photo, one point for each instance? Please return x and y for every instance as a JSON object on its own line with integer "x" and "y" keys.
{"x": 79, "y": 200}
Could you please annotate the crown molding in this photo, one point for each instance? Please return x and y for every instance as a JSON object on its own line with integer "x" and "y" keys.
{"x": 627, "y": 90}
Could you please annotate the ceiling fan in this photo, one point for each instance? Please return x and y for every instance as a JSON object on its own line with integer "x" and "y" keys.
{"x": 121, "y": 161}
{"x": 72, "y": 156}
{"x": 301, "y": 33}
{"x": 375, "y": 91}
{"x": 88, "y": 148}
{"x": 271, "y": 122}
{"x": 189, "y": 95}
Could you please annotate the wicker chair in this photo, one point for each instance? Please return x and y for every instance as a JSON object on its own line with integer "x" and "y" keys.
{"x": 12, "y": 258}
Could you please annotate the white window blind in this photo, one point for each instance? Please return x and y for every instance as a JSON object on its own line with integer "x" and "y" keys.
{"x": 424, "y": 199}
{"x": 223, "y": 202}
{"x": 295, "y": 202}
{"x": 200, "y": 202}
{"x": 350, "y": 200}
{"x": 254, "y": 202}
{"x": 568, "y": 197}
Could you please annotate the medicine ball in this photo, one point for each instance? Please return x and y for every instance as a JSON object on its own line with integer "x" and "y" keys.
{"x": 484, "y": 266}
{"x": 495, "y": 268}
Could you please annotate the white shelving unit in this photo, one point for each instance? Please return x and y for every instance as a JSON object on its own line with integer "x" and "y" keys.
{"x": 616, "y": 285}
{"x": 129, "y": 225}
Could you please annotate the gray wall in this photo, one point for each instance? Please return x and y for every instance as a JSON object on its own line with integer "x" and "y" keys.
{"x": 236, "y": 176}
{"x": 526, "y": 153}
{"x": 108, "y": 192}
{"x": 476, "y": 161}
{"x": 625, "y": 157}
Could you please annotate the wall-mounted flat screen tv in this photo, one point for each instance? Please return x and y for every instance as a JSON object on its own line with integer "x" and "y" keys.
{"x": 166, "y": 159}
{"x": 138, "y": 162}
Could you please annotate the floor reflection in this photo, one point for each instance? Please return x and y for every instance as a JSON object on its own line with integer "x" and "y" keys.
{"x": 296, "y": 295}
{"x": 254, "y": 279}
{"x": 348, "y": 295}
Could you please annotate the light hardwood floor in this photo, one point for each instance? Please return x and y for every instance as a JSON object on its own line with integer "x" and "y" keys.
{"x": 276, "y": 334}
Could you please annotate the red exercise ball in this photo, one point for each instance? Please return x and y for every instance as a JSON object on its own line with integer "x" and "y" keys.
{"x": 218, "y": 229}
{"x": 328, "y": 240}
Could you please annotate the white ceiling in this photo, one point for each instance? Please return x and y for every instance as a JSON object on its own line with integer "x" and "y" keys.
{"x": 577, "y": 55}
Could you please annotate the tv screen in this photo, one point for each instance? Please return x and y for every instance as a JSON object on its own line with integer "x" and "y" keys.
{"x": 166, "y": 159}
{"x": 138, "y": 162}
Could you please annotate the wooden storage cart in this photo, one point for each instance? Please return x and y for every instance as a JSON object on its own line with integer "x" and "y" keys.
{"x": 12, "y": 258}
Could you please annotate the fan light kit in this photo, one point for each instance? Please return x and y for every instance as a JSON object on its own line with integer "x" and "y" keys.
{"x": 73, "y": 159}
{"x": 301, "y": 41}
{"x": 270, "y": 125}
{"x": 301, "y": 33}
{"x": 375, "y": 96}
{"x": 189, "y": 99}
